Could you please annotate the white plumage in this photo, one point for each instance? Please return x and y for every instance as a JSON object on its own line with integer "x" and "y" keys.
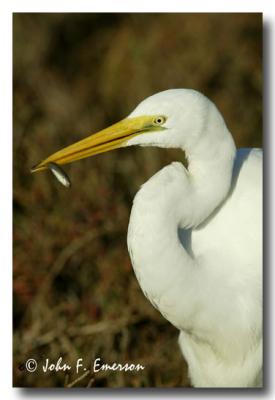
{"x": 195, "y": 235}
{"x": 195, "y": 240}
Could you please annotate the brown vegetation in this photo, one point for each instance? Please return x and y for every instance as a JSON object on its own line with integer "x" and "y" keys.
{"x": 75, "y": 294}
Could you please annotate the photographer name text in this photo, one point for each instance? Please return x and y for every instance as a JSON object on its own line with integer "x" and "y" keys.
{"x": 96, "y": 366}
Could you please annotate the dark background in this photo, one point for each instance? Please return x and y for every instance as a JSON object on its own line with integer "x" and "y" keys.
{"x": 75, "y": 294}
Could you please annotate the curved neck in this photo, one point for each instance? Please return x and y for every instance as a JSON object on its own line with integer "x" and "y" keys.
{"x": 210, "y": 166}
{"x": 209, "y": 182}
{"x": 177, "y": 198}
{"x": 152, "y": 238}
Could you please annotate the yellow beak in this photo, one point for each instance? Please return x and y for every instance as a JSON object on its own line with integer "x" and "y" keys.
{"x": 108, "y": 139}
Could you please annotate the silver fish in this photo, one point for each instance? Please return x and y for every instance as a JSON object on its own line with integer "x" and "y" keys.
{"x": 60, "y": 175}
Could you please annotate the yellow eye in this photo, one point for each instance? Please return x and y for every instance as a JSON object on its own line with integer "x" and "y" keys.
{"x": 159, "y": 120}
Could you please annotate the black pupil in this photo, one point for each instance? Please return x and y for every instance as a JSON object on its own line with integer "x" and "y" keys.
{"x": 159, "y": 120}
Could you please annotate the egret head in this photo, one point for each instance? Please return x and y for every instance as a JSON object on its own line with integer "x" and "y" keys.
{"x": 175, "y": 118}
{"x": 184, "y": 114}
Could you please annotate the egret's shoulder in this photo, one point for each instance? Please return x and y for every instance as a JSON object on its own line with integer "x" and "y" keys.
{"x": 249, "y": 156}
{"x": 248, "y": 165}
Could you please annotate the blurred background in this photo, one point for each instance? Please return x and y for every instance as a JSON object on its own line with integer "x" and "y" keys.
{"x": 75, "y": 294}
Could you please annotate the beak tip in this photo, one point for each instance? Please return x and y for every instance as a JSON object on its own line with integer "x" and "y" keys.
{"x": 33, "y": 169}
{"x": 36, "y": 168}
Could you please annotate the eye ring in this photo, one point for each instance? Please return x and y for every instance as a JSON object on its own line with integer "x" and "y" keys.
{"x": 159, "y": 120}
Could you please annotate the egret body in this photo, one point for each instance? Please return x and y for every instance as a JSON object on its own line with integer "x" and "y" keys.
{"x": 195, "y": 233}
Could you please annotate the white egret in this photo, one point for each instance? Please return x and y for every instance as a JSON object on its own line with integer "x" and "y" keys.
{"x": 195, "y": 234}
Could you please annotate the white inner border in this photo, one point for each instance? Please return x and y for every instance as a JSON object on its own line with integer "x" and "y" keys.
{"x": 7, "y": 8}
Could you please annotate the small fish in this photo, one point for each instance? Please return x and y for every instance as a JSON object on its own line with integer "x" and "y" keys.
{"x": 60, "y": 175}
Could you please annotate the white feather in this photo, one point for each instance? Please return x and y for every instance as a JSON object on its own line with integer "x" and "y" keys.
{"x": 195, "y": 240}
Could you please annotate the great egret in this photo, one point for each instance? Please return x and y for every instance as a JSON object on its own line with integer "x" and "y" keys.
{"x": 195, "y": 234}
